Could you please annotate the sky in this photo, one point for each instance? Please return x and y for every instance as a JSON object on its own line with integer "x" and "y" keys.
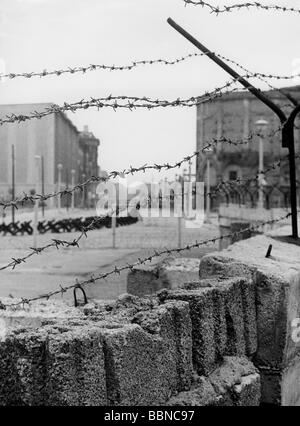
{"x": 56, "y": 34}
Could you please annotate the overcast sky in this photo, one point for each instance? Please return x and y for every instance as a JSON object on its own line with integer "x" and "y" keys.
{"x": 54, "y": 34}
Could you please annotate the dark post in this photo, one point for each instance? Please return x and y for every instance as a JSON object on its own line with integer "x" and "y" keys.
{"x": 83, "y": 191}
{"x": 13, "y": 191}
{"x": 67, "y": 187}
{"x": 288, "y": 140}
{"x": 43, "y": 186}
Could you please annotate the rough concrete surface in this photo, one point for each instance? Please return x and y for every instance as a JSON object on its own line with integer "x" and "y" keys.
{"x": 277, "y": 287}
{"x": 171, "y": 273}
{"x": 131, "y": 352}
{"x": 146, "y": 351}
{"x": 235, "y": 383}
{"x": 53, "y": 365}
{"x": 223, "y": 319}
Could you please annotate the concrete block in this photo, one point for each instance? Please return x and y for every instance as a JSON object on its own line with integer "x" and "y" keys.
{"x": 169, "y": 274}
{"x": 202, "y": 394}
{"x": 238, "y": 382}
{"x": 54, "y": 365}
{"x": 172, "y": 323}
{"x": 202, "y": 307}
{"x": 10, "y": 389}
{"x": 235, "y": 329}
{"x": 219, "y": 303}
{"x": 277, "y": 287}
{"x": 29, "y": 366}
{"x": 139, "y": 368}
{"x": 235, "y": 383}
{"x": 218, "y": 321}
{"x": 218, "y": 265}
{"x": 75, "y": 367}
{"x": 248, "y": 291}
{"x": 238, "y": 295}
{"x": 220, "y": 270}
{"x": 150, "y": 357}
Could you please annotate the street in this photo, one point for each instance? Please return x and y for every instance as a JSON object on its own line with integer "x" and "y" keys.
{"x": 47, "y": 271}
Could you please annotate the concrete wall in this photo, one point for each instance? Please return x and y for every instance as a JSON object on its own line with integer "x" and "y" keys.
{"x": 271, "y": 293}
{"x": 277, "y": 301}
{"x": 131, "y": 352}
{"x": 225, "y": 338}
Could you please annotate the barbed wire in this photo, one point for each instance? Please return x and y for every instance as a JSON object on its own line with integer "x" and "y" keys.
{"x": 57, "y": 243}
{"x": 26, "y": 198}
{"x": 239, "y": 6}
{"x": 245, "y": 141}
{"x": 118, "y": 270}
{"x": 123, "y": 102}
{"x": 262, "y": 77}
{"x": 94, "y": 67}
{"x": 133, "y": 65}
{"x": 240, "y": 182}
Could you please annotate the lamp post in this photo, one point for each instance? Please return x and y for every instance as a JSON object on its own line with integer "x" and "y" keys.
{"x": 13, "y": 181}
{"x": 83, "y": 191}
{"x": 261, "y": 126}
{"x": 73, "y": 193}
{"x": 208, "y": 153}
{"x": 36, "y": 204}
{"x": 59, "y": 168}
{"x": 180, "y": 213}
{"x": 67, "y": 187}
{"x": 43, "y": 184}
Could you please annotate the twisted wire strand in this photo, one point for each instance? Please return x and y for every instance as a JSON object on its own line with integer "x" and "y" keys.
{"x": 57, "y": 243}
{"x": 117, "y": 270}
{"x": 133, "y": 65}
{"x": 239, "y": 6}
{"x": 26, "y": 198}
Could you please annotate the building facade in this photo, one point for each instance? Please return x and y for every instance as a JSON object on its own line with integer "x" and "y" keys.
{"x": 235, "y": 117}
{"x": 69, "y": 156}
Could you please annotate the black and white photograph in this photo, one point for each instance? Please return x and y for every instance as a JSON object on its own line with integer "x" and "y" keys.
{"x": 149, "y": 206}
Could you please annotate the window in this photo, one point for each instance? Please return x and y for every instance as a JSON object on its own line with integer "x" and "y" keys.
{"x": 233, "y": 175}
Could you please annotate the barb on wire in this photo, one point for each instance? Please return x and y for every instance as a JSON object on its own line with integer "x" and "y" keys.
{"x": 239, "y": 6}
{"x": 26, "y": 198}
{"x": 232, "y": 184}
{"x": 95, "y": 67}
{"x": 117, "y": 270}
{"x": 245, "y": 141}
{"x": 112, "y": 175}
{"x": 123, "y": 102}
{"x": 57, "y": 243}
{"x": 144, "y": 202}
{"x": 133, "y": 65}
{"x": 262, "y": 77}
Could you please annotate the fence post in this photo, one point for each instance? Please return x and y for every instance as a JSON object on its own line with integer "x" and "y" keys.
{"x": 114, "y": 226}
{"x": 13, "y": 193}
{"x": 73, "y": 193}
{"x": 59, "y": 169}
{"x": 36, "y": 204}
{"x": 287, "y": 123}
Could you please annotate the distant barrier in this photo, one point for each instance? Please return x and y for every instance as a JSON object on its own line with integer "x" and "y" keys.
{"x": 64, "y": 225}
